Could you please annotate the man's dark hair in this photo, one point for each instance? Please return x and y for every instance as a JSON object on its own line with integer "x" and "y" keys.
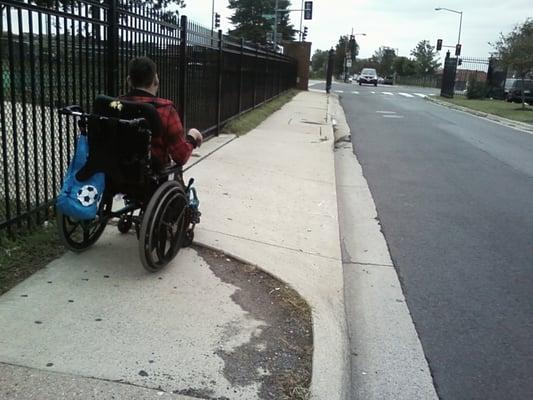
{"x": 141, "y": 71}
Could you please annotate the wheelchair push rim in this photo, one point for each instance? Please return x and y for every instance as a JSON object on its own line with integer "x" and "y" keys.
{"x": 78, "y": 235}
{"x": 163, "y": 226}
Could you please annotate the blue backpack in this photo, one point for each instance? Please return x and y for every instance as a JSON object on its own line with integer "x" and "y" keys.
{"x": 80, "y": 199}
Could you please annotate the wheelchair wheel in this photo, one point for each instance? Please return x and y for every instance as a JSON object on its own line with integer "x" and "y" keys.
{"x": 163, "y": 226}
{"x": 80, "y": 235}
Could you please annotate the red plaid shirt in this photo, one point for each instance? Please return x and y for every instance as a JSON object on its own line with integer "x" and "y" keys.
{"x": 171, "y": 142}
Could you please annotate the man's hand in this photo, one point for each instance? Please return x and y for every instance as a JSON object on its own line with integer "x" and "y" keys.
{"x": 196, "y": 137}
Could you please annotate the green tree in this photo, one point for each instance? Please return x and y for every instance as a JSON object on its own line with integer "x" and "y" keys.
{"x": 426, "y": 58}
{"x": 345, "y": 45}
{"x": 384, "y": 58}
{"x": 516, "y": 51}
{"x": 319, "y": 63}
{"x": 157, "y": 4}
{"x": 97, "y": 12}
{"x": 404, "y": 66}
{"x": 250, "y": 21}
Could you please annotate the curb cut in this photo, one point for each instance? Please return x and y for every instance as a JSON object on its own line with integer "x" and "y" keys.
{"x": 524, "y": 127}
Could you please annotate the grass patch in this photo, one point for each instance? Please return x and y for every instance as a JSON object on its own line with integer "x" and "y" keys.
{"x": 28, "y": 252}
{"x": 497, "y": 107}
{"x": 250, "y": 120}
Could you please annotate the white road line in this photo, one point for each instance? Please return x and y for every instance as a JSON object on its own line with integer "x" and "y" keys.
{"x": 405, "y": 94}
{"x": 419, "y": 94}
{"x": 389, "y": 93}
{"x": 432, "y": 94}
{"x": 392, "y": 116}
{"x": 386, "y": 112}
{"x": 339, "y": 91}
{"x": 355, "y": 92}
{"x": 373, "y": 92}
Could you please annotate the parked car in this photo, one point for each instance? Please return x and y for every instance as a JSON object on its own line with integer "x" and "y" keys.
{"x": 513, "y": 90}
{"x": 389, "y": 80}
{"x": 368, "y": 76}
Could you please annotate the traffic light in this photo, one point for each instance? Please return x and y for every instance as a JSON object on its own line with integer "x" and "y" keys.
{"x": 308, "y": 10}
{"x": 439, "y": 44}
{"x": 457, "y": 49}
{"x": 217, "y": 20}
{"x": 304, "y": 34}
{"x": 352, "y": 46}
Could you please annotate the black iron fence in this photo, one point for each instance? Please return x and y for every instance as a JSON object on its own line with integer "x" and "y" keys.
{"x": 432, "y": 81}
{"x": 58, "y": 52}
{"x": 474, "y": 77}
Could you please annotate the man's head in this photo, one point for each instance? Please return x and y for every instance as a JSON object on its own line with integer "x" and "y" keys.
{"x": 142, "y": 74}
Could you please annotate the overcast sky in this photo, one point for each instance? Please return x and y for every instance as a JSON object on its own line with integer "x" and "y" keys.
{"x": 398, "y": 24}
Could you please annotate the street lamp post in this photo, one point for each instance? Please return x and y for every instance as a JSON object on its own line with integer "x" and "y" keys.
{"x": 345, "y": 67}
{"x": 460, "y": 19}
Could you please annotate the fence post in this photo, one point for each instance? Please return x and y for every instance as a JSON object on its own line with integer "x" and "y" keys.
{"x": 255, "y": 74}
{"x": 240, "y": 74}
{"x": 112, "y": 48}
{"x": 219, "y": 89}
{"x": 329, "y": 71}
{"x": 265, "y": 75}
{"x": 182, "y": 79}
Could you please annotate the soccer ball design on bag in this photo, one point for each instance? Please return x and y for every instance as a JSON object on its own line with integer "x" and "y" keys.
{"x": 87, "y": 195}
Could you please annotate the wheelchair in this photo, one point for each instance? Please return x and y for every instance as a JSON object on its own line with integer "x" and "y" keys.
{"x": 162, "y": 210}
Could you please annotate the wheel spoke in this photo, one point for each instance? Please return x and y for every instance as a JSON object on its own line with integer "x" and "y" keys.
{"x": 69, "y": 233}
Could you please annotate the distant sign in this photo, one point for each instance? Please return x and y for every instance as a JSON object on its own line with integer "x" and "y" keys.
{"x": 349, "y": 63}
{"x": 308, "y": 10}
{"x": 268, "y": 16}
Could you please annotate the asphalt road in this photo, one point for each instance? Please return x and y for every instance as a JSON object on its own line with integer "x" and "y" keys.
{"x": 454, "y": 195}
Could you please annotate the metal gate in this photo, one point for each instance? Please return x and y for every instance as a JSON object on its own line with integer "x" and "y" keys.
{"x": 448, "y": 77}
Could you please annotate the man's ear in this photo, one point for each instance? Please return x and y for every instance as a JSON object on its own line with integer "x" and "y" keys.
{"x": 156, "y": 80}
{"x": 128, "y": 81}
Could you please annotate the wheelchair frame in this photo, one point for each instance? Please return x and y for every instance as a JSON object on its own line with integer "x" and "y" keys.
{"x": 165, "y": 223}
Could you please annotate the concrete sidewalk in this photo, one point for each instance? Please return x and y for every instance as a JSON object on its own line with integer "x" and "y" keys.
{"x": 268, "y": 198}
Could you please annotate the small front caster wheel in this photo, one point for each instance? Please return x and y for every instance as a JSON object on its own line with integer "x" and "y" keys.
{"x": 124, "y": 223}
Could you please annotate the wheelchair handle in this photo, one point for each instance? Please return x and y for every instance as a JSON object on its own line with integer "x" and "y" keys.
{"x": 73, "y": 110}
{"x": 76, "y": 111}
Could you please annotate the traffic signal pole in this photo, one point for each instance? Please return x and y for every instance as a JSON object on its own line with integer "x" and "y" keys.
{"x": 301, "y": 20}
{"x": 275, "y": 38}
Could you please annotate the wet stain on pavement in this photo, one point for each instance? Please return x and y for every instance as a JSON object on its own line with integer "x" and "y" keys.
{"x": 279, "y": 356}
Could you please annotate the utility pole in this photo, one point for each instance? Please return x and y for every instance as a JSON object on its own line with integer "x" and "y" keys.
{"x": 212, "y": 16}
{"x": 301, "y": 20}
{"x": 275, "y": 38}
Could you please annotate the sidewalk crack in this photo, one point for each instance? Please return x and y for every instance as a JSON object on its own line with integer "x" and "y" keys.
{"x": 367, "y": 264}
{"x": 272, "y": 245}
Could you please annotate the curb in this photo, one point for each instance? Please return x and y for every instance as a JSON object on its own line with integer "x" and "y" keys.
{"x": 524, "y": 127}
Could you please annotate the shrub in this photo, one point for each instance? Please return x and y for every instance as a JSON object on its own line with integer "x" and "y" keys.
{"x": 476, "y": 89}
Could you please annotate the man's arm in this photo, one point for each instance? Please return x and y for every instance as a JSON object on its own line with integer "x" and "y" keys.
{"x": 178, "y": 147}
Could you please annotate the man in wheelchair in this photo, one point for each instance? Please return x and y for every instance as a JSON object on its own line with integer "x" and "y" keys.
{"x": 137, "y": 142}
{"x": 170, "y": 143}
